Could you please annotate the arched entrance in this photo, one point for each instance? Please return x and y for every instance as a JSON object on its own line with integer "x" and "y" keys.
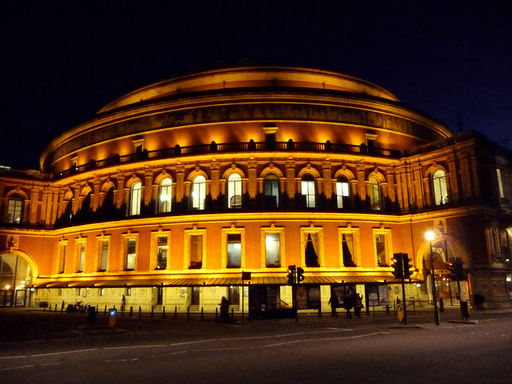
{"x": 443, "y": 248}
{"x": 16, "y": 272}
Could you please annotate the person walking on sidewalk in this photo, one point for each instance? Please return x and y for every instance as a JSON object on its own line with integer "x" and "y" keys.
{"x": 348, "y": 304}
{"x": 334, "y": 304}
{"x": 358, "y": 305}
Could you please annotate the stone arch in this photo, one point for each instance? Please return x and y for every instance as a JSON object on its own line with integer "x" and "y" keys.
{"x": 311, "y": 170}
{"x": 9, "y": 256}
{"x": 16, "y": 192}
{"x": 271, "y": 169}
{"x": 233, "y": 169}
{"x": 434, "y": 168}
{"x": 344, "y": 172}
{"x": 447, "y": 246}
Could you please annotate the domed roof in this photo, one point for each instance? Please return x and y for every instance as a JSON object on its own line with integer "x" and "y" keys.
{"x": 252, "y": 77}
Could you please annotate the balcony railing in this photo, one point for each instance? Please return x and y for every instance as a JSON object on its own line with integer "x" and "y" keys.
{"x": 251, "y": 146}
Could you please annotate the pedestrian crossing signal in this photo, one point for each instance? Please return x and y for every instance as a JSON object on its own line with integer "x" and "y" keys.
{"x": 300, "y": 275}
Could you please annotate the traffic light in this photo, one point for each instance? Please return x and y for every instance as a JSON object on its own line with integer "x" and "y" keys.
{"x": 300, "y": 275}
{"x": 457, "y": 271}
{"x": 397, "y": 265}
{"x": 407, "y": 267}
{"x": 291, "y": 274}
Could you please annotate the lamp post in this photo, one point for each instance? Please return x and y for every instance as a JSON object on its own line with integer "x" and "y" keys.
{"x": 430, "y": 236}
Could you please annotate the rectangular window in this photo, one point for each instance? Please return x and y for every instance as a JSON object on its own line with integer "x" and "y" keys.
{"x": 128, "y": 291}
{"x": 161, "y": 252}
{"x": 14, "y": 210}
{"x": 500, "y": 183}
{"x": 101, "y": 291}
{"x": 348, "y": 249}
{"x": 234, "y": 295}
{"x": 103, "y": 256}
{"x": 382, "y": 246}
{"x": 234, "y": 250}
{"x": 131, "y": 255}
{"x": 81, "y": 257}
{"x": 272, "y": 250}
{"x": 196, "y": 251}
{"x": 62, "y": 258}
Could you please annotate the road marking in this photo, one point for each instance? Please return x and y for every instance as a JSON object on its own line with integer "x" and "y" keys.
{"x": 286, "y": 342}
{"x": 64, "y": 353}
{"x": 291, "y": 334}
{"x": 218, "y": 349}
{"x": 11, "y": 368}
{"x": 137, "y": 346}
{"x": 245, "y": 338}
{"x": 165, "y": 354}
{"x": 366, "y": 335}
{"x": 193, "y": 342}
{"x": 13, "y": 357}
{"x": 50, "y": 364}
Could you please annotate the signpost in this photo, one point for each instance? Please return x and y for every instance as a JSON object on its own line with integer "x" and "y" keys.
{"x": 112, "y": 318}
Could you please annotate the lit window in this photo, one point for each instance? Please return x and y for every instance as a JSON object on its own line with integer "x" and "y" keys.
{"x": 165, "y": 195}
{"x": 439, "y": 189}
{"x": 131, "y": 255}
{"x": 348, "y": 249}
{"x": 196, "y": 251}
{"x": 273, "y": 249}
{"x": 103, "y": 255}
{"x": 135, "y": 198}
{"x": 62, "y": 257}
{"x": 307, "y": 186}
{"x": 81, "y": 257}
{"x": 234, "y": 191}
{"x": 500, "y": 183}
{"x": 15, "y": 209}
{"x": 161, "y": 252}
{"x": 382, "y": 245}
{"x": 234, "y": 250}
{"x": 271, "y": 190}
{"x": 375, "y": 201}
{"x": 198, "y": 192}
{"x": 234, "y": 295}
{"x": 311, "y": 250}
{"x": 342, "y": 192}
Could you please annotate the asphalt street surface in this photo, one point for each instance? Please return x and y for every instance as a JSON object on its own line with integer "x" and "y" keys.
{"x": 54, "y": 348}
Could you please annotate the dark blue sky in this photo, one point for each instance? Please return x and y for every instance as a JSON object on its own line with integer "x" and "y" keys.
{"x": 64, "y": 60}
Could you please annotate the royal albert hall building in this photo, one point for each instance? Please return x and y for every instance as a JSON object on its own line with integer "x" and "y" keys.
{"x": 211, "y": 184}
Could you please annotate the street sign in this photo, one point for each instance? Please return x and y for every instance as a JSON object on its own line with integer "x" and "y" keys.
{"x": 400, "y": 312}
{"x": 112, "y": 319}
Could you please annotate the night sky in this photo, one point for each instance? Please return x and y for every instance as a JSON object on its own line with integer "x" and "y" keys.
{"x": 62, "y": 61}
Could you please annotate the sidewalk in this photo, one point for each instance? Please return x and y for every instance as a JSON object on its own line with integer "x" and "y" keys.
{"x": 20, "y": 324}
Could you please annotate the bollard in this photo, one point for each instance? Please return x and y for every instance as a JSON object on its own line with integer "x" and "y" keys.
{"x": 387, "y": 309}
{"x": 50, "y": 307}
{"x": 140, "y": 311}
{"x": 62, "y": 307}
{"x": 216, "y": 314}
{"x": 131, "y": 310}
{"x": 152, "y": 311}
{"x": 188, "y": 313}
{"x": 55, "y": 307}
{"x": 320, "y": 312}
{"x": 232, "y": 316}
{"x": 175, "y": 313}
{"x": 202, "y": 313}
{"x": 163, "y": 312}
{"x": 105, "y": 310}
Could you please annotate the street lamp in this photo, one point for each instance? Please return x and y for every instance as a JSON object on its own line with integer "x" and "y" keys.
{"x": 430, "y": 236}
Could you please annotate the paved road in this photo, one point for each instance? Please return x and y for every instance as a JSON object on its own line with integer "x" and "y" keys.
{"x": 310, "y": 351}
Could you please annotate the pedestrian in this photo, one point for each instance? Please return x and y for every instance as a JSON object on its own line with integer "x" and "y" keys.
{"x": 348, "y": 304}
{"x": 479, "y": 300}
{"x": 123, "y": 303}
{"x": 358, "y": 305}
{"x": 441, "y": 304}
{"x": 224, "y": 309}
{"x": 334, "y": 301}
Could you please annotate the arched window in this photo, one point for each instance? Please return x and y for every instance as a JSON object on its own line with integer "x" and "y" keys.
{"x": 342, "y": 192}
{"x": 271, "y": 190}
{"x": 375, "y": 200}
{"x": 234, "y": 191}
{"x": 307, "y": 186}
{"x": 198, "y": 192}
{"x": 15, "y": 210}
{"x": 135, "y": 198}
{"x": 439, "y": 190}
{"x": 165, "y": 195}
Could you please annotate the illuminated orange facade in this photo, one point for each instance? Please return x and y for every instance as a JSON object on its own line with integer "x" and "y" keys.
{"x": 176, "y": 189}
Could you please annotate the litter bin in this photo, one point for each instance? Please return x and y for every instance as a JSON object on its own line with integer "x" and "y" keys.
{"x": 91, "y": 315}
{"x": 464, "y": 310}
